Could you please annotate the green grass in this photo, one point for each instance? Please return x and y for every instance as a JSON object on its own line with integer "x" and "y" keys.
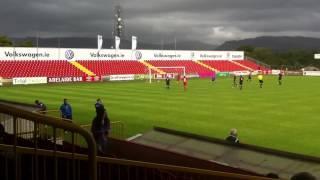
{"x": 282, "y": 117}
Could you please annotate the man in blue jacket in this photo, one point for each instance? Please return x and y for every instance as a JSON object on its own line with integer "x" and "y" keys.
{"x": 66, "y": 110}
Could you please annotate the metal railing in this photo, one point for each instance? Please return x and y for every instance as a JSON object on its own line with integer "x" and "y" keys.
{"x": 121, "y": 169}
{"x": 116, "y": 129}
{"x": 31, "y": 131}
{"x": 128, "y": 169}
{"x": 35, "y": 158}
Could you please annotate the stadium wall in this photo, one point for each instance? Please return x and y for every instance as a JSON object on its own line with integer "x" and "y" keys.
{"x": 19, "y": 53}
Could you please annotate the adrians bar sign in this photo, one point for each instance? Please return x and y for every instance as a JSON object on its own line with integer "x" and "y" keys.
{"x": 64, "y": 79}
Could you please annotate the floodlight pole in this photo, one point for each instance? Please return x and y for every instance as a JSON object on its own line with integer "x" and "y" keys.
{"x": 14, "y": 49}
{"x": 59, "y": 48}
{"x": 37, "y": 45}
{"x": 118, "y": 26}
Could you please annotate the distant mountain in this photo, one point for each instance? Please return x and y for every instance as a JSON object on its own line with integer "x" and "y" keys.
{"x": 281, "y": 43}
{"x": 80, "y": 42}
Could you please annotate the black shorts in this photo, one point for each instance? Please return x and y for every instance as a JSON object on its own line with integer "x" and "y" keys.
{"x": 260, "y": 81}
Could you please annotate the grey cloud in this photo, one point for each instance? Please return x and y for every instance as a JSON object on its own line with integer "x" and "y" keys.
{"x": 212, "y": 21}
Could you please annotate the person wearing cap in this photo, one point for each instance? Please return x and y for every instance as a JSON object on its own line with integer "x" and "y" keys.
{"x": 42, "y": 107}
{"x": 233, "y": 136}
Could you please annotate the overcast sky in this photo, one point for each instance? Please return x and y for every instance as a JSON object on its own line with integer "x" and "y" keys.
{"x": 210, "y": 21}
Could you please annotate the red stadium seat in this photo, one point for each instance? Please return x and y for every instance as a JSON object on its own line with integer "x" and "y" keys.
{"x": 252, "y": 65}
{"x": 62, "y": 68}
{"x": 52, "y": 68}
{"x": 224, "y": 65}
{"x": 103, "y": 67}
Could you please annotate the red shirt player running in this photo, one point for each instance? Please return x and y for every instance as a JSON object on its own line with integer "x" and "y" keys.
{"x": 185, "y": 83}
{"x": 178, "y": 77}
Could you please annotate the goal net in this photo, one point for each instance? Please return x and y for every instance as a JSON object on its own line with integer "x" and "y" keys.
{"x": 166, "y": 71}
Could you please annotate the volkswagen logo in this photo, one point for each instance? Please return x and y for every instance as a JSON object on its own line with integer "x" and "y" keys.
{"x": 228, "y": 54}
{"x": 138, "y": 55}
{"x": 69, "y": 54}
{"x": 192, "y": 55}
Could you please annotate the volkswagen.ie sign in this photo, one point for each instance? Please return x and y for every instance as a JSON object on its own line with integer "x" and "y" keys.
{"x": 69, "y": 54}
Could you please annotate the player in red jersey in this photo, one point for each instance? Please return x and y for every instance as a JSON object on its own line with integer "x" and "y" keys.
{"x": 185, "y": 83}
{"x": 178, "y": 78}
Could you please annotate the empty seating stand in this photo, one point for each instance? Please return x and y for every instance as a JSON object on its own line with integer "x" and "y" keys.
{"x": 190, "y": 66}
{"x": 38, "y": 68}
{"x": 103, "y": 67}
{"x": 252, "y": 65}
{"x": 62, "y": 68}
{"x": 224, "y": 65}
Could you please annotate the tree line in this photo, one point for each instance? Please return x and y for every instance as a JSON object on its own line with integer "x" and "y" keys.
{"x": 7, "y": 42}
{"x": 292, "y": 59}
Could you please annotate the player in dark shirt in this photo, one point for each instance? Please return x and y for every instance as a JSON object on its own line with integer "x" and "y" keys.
{"x": 234, "y": 80}
{"x": 167, "y": 82}
{"x": 280, "y": 78}
{"x": 249, "y": 76}
{"x": 213, "y": 78}
{"x": 260, "y": 78}
{"x": 241, "y": 78}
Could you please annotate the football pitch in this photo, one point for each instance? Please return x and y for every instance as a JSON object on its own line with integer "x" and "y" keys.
{"x": 281, "y": 117}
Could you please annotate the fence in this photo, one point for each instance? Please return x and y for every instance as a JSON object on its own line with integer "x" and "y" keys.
{"x": 24, "y": 128}
{"x": 116, "y": 131}
{"x": 33, "y": 157}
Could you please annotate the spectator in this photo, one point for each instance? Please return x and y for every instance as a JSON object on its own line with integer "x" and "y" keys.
{"x": 99, "y": 105}
{"x": 100, "y": 127}
{"x": 66, "y": 110}
{"x": 233, "y": 137}
{"x": 303, "y": 176}
{"x": 42, "y": 107}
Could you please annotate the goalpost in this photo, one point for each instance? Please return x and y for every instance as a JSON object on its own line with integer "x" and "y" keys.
{"x": 165, "y": 67}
